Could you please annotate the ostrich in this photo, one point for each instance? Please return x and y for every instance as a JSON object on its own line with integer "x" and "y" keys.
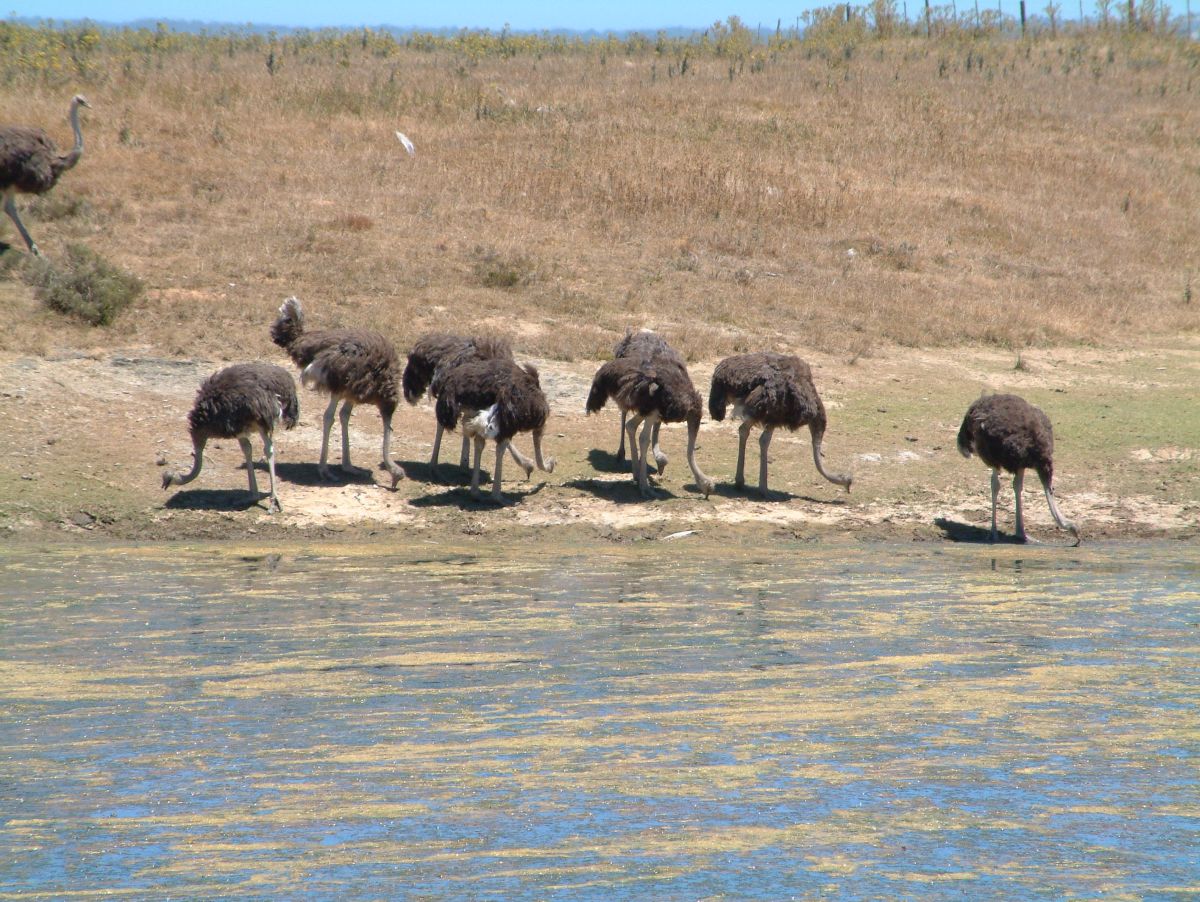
{"x": 31, "y": 164}
{"x": 769, "y": 390}
{"x": 646, "y": 343}
{"x": 431, "y": 359}
{"x": 496, "y": 399}
{"x": 355, "y": 366}
{"x": 655, "y": 392}
{"x": 235, "y": 403}
{"x": 1009, "y": 433}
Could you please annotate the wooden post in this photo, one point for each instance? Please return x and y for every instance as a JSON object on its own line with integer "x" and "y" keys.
{"x": 847, "y": 13}
{"x": 1023, "y": 17}
{"x": 928, "y": 28}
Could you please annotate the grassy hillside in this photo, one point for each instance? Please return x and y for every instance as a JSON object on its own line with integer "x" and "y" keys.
{"x": 836, "y": 193}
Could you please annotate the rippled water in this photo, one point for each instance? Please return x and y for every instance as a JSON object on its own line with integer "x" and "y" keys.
{"x": 665, "y": 721}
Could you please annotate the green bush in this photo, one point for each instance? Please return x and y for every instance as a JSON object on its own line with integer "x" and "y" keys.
{"x": 85, "y": 286}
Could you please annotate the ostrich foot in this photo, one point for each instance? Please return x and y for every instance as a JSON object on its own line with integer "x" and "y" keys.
{"x": 355, "y": 472}
{"x": 490, "y": 498}
{"x": 325, "y": 473}
{"x": 739, "y": 483}
{"x": 273, "y": 505}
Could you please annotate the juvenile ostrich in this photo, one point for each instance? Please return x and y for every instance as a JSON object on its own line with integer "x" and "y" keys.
{"x": 496, "y": 399}
{"x": 1009, "y": 433}
{"x": 647, "y": 344}
{"x": 432, "y": 358}
{"x": 237, "y": 402}
{"x": 654, "y": 392}
{"x": 355, "y": 366}
{"x": 31, "y": 164}
{"x": 769, "y": 390}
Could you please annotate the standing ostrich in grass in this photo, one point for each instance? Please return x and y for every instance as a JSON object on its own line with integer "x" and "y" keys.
{"x": 645, "y": 343}
{"x": 654, "y": 392}
{"x": 31, "y": 164}
{"x": 769, "y": 390}
{"x": 235, "y": 403}
{"x": 1009, "y": 433}
{"x": 496, "y": 399}
{"x": 355, "y": 366}
{"x": 432, "y": 358}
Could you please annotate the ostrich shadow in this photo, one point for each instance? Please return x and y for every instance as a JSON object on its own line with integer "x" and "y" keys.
{"x": 460, "y": 497}
{"x": 310, "y": 475}
{"x": 623, "y": 492}
{"x": 227, "y": 500}
{"x": 420, "y": 471}
{"x": 607, "y": 462}
{"x": 966, "y": 532}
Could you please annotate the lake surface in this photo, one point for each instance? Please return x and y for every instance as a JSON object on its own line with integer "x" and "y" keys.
{"x": 668, "y": 720}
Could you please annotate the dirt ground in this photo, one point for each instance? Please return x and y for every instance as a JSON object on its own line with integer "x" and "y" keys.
{"x": 84, "y": 438}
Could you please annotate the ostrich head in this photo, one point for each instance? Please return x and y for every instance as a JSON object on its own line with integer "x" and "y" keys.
{"x": 80, "y": 100}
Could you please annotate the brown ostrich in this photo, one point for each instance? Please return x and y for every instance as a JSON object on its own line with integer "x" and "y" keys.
{"x": 1008, "y": 433}
{"x": 495, "y": 399}
{"x": 432, "y": 358}
{"x": 645, "y": 343}
{"x": 654, "y": 392}
{"x": 771, "y": 391}
{"x": 237, "y": 402}
{"x": 354, "y": 366}
{"x": 31, "y": 164}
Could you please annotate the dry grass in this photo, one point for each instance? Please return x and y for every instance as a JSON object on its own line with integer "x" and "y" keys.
{"x": 910, "y": 191}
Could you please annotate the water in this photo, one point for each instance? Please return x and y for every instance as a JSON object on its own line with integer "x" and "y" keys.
{"x": 667, "y": 721}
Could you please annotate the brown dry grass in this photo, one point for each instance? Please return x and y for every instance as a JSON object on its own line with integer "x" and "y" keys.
{"x": 919, "y": 192}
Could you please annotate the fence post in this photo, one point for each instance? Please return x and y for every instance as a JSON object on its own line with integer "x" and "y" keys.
{"x": 1023, "y": 17}
{"x": 928, "y": 28}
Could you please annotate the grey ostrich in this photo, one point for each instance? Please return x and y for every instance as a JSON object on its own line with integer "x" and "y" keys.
{"x": 645, "y": 343}
{"x": 354, "y": 366}
{"x": 432, "y": 358}
{"x": 653, "y": 392}
{"x": 1008, "y": 433}
{"x": 495, "y": 399}
{"x": 31, "y": 164}
{"x": 771, "y": 391}
{"x": 237, "y": 402}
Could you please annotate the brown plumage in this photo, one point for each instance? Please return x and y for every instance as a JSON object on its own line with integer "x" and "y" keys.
{"x": 652, "y": 392}
{"x": 431, "y": 359}
{"x": 237, "y": 402}
{"x": 1008, "y": 433}
{"x": 31, "y": 164}
{"x": 354, "y": 366}
{"x": 772, "y": 391}
{"x": 649, "y": 345}
{"x": 495, "y": 399}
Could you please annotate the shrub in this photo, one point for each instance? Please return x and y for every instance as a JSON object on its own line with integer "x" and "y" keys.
{"x": 85, "y": 286}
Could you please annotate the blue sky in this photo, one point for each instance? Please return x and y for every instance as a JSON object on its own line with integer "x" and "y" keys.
{"x": 520, "y": 14}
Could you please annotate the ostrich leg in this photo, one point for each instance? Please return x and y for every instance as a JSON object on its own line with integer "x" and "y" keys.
{"x": 739, "y": 478}
{"x": 631, "y": 425}
{"x": 344, "y": 417}
{"x": 995, "y": 492}
{"x": 10, "y": 207}
{"x": 1018, "y": 490}
{"x": 500, "y": 449}
{"x": 640, "y": 465}
{"x": 764, "y": 442}
{"x": 327, "y": 427}
{"x": 621, "y": 450}
{"x": 269, "y": 451}
{"x": 475, "y": 469}
{"x": 248, "y": 452}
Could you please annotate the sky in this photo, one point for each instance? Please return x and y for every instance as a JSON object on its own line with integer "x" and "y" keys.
{"x": 519, "y": 14}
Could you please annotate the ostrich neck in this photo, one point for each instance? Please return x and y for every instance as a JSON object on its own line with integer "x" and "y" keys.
{"x": 817, "y": 436}
{"x": 69, "y": 159}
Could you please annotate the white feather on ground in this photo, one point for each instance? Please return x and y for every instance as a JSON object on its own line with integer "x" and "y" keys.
{"x": 408, "y": 145}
